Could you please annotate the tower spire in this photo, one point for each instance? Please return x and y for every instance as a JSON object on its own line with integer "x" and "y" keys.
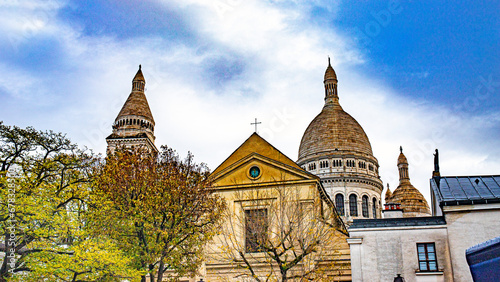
{"x": 412, "y": 201}
{"x": 134, "y": 125}
{"x": 388, "y": 194}
{"x": 330, "y": 81}
{"x": 403, "y": 167}
{"x": 138, "y": 82}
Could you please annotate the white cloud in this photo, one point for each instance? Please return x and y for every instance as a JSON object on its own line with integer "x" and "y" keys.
{"x": 281, "y": 84}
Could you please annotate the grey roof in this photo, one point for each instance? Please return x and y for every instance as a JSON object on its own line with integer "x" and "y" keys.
{"x": 466, "y": 190}
{"x": 398, "y": 222}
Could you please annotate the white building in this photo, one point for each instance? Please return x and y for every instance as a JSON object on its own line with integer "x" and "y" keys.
{"x": 466, "y": 212}
{"x": 414, "y": 247}
{"x": 470, "y": 206}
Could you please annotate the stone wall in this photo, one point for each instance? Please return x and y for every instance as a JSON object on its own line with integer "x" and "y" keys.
{"x": 378, "y": 254}
{"x": 469, "y": 225}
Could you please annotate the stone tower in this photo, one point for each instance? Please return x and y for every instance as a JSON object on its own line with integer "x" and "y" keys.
{"x": 134, "y": 125}
{"x": 412, "y": 201}
{"x": 336, "y": 148}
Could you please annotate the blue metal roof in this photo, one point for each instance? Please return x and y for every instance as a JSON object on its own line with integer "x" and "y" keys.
{"x": 465, "y": 190}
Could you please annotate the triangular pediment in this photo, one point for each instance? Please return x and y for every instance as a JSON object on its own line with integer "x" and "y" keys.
{"x": 256, "y": 144}
{"x": 269, "y": 171}
{"x": 273, "y": 165}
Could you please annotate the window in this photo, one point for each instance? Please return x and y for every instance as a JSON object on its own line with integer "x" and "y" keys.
{"x": 353, "y": 205}
{"x": 312, "y": 166}
{"x": 364, "y": 206}
{"x": 427, "y": 257}
{"x": 374, "y": 208}
{"x": 339, "y": 203}
{"x": 323, "y": 164}
{"x": 255, "y": 229}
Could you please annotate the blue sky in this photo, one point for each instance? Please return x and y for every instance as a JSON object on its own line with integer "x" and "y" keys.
{"x": 420, "y": 74}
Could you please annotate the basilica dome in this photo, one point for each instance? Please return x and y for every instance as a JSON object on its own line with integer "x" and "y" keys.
{"x": 333, "y": 130}
{"x": 335, "y": 148}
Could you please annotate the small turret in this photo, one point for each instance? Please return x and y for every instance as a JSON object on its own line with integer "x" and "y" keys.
{"x": 404, "y": 176}
{"x": 331, "y": 94}
{"x": 388, "y": 194}
{"x": 412, "y": 201}
{"x": 138, "y": 82}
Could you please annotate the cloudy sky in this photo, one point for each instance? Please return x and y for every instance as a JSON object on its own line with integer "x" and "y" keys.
{"x": 418, "y": 74}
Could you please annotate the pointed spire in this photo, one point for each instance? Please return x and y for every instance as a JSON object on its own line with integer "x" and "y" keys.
{"x": 403, "y": 167}
{"x": 412, "y": 201}
{"x": 137, "y": 104}
{"x": 134, "y": 124}
{"x": 330, "y": 81}
{"x": 330, "y": 72}
{"x": 402, "y": 158}
{"x": 138, "y": 82}
{"x": 388, "y": 194}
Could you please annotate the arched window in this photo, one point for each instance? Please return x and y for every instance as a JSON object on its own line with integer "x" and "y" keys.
{"x": 374, "y": 207}
{"x": 339, "y": 203}
{"x": 353, "y": 205}
{"x": 364, "y": 206}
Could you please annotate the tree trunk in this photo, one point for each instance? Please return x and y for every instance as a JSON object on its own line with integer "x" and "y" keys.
{"x": 151, "y": 273}
{"x": 284, "y": 277}
{"x": 160, "y": 271}
{"x": 151, "y": 276}
{"x": 3, "y": 269}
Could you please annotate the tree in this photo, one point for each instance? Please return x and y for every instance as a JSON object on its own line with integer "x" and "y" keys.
{"x": 159, "y": 209}
{"x": 44, "y": 184}
{"x": 281, "y": 233}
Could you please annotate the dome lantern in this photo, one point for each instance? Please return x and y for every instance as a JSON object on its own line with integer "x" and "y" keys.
{"x": 330, "y": 81}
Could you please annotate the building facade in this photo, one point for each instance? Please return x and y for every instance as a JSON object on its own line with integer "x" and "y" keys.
{"x": 336, "y": 175}
{"x": 471, "y": 207}
{"x": 428, "y": 248}
{"x": 416, "y": 248}
{"x": 278, "y": 217}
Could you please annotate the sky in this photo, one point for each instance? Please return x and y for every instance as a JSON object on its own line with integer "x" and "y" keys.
{"x": 417, "y": 74}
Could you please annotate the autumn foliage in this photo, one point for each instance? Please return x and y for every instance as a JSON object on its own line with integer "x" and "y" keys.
{"x": 44, "y": 186}
{"x": 69, "y": 215}
{"x": 159, "y": 209}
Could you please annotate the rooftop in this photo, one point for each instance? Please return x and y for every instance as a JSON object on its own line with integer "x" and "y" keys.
{"x": 398, "y": 222}
{"x": 466, "y": 190}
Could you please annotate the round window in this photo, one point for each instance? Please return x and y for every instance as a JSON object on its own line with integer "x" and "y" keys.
{"x": 254, "y": 171}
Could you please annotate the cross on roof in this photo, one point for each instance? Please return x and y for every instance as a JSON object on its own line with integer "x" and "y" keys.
{"x": 255, "y": 123}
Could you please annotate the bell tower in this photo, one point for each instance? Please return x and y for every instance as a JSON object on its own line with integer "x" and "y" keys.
{"x": 134, "y": 125}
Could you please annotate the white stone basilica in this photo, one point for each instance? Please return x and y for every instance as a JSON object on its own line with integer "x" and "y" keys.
{"x": 336, "y": 148}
